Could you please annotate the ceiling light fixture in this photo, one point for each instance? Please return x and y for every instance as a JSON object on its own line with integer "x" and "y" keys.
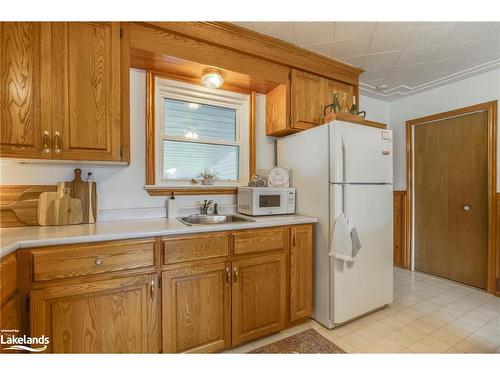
{"x": 212, "y": 78}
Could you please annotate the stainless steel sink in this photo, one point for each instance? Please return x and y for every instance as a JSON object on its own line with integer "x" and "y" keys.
{"x": 213, "y": 219}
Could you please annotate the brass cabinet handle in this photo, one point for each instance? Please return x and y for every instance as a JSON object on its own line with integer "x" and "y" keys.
{"x": 46, "y": 141}
{"x": 98, "y": 261}
{"x": 235, "y": 275}
{"x": 228, "y": 275}
{"x": 152, "y": 289}
{"x": 294, "y": 243}
{"x": 57, "y": 144}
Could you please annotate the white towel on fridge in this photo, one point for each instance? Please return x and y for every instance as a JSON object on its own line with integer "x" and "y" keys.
{"x": 345, "y": 243}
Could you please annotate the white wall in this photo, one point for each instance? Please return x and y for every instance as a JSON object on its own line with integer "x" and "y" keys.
{"x": 477, "y": 89}
{"x": 376, "y": 109}
{"x": 122, "y": 188}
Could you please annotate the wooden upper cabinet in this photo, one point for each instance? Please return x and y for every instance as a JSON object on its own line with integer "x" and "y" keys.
{"x": 63, "y": 89}
{"x": 196, "y": 308}
{"x": 301, "y": 272}
{"x": 258, "y": 297}
{"x": 306, "y": 100}
{"x": 110, "y": 316}
{"x": 299, "y": 105}
{"x": 86, "y": 90}
{"x": 21, "y": 130}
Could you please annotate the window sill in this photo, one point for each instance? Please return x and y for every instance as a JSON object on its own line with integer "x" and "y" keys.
{"x": 158, "y": 190}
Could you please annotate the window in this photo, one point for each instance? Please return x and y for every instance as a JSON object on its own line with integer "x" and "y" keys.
{"x": 196, "y": 129}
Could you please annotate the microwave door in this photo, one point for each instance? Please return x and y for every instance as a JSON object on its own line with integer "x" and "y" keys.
{"x": 269, "y": 203}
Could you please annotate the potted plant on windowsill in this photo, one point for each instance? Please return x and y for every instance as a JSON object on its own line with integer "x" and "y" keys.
{"x": 208, "y": 176}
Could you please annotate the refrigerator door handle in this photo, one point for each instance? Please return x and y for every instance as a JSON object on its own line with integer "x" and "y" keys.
{"x": 344, "y": 176}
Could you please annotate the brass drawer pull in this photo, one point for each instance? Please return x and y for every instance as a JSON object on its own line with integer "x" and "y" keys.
{"x": 228, "y": 275}
{"x": 98, "y": 261}
{"x": 57, "y": 146}
{"x": 152, "y": 290}
{"x": 235, "y": 275}
{"x": 46, "y": 140}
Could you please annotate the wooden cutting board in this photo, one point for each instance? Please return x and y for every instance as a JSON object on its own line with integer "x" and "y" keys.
{"x": 59, "y": 208}
{"x": 86, "y": 192}
{"x": 19, "y": 204}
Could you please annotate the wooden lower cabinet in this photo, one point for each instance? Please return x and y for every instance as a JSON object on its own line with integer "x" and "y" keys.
{"x": 108, "y": 316}
{"x": 301, "y": 270}
{"x": 258, "y": 297}
{"x": 196, "y": 308}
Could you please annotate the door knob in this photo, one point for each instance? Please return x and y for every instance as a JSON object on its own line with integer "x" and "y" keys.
{"x": 467, "y": 207}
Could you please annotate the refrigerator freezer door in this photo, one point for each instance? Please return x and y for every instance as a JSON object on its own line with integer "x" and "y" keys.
{"x": 366, "y": 284}
{"x": 365, "y": 152}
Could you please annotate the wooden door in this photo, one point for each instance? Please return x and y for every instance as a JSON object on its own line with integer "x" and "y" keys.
{"x": 196, "y": 309}
{"x": 86, "y": 90}
{"x": 111, "y": 316}
{"x": 22, "y": 45}
{"x": 301, "y": 269}
{"x": 451, "y": 193}
{"x": 330, "y": 86}
{"x": 306, "y": 100}
{"x": 258, "y": 297}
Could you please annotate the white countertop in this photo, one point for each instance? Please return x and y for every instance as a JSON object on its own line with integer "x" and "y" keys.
{"x": 12, "y": 239}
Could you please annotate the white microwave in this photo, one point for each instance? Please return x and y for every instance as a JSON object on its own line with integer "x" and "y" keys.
{"x": 257, "y": 201}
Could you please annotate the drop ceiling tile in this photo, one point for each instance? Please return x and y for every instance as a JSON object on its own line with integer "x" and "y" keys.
{"x": 325, "y": 49}
{"x": 425, "y": 25}
{"x": 488, "y": 47}
{"x": 473, "y": 31}
{"x": 431, "y": 37}
{"x": 283, "y": 31}
{"x": 440, "y": 67}
{"x": 353, "y": 30}
{"x": 313, "y": 32}
{"x": 375, "y": 74}
{"x": 395, "y": 27}
{"x": 350, "y": 48}
{"x": 416, "y": 56}
{"x": 454, "y": 51}
{"x": 381, "y": 60}
{"x": 474, "y": 62}
{"x": 265, "y": 26}
{"x": 357, "y": 61}
{"x": 389, "y": 42}
{"x": 405, "y": 71}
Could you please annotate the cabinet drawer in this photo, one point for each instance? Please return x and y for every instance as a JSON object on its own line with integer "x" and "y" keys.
{"x": 8, "y": 277}
{"x": 253, "y": 241}
{"x": 88, "y": 259}
{"x": 189, "y": 248}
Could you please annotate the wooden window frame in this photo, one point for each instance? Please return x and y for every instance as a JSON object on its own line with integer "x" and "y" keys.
{"x": 493, "y": 285}
{"x": 151, "y": 140}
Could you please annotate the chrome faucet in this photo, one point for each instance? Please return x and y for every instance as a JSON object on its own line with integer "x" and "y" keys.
{"x": 206, "y": 206}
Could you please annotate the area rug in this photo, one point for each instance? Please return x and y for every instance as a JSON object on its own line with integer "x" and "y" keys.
{"x": 306, "y": 342}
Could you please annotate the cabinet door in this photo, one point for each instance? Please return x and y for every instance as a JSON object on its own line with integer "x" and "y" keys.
{"x": 196, "y": 309}
{"x": 258, "y": 297}
{"x": 110, "y": 316}
{"x": 329, "y": 87}
{"x": 86, "y": 90}
{"x": 21, "y": 128}
{"x": 306, "y": 100}
{"x": 301, "y": 268}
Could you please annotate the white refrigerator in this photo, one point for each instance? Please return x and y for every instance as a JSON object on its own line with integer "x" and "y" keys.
{"x": 331, "y": 164}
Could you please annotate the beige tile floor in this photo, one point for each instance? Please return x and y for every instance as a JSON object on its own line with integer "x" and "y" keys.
{"x": 429, "y": 315}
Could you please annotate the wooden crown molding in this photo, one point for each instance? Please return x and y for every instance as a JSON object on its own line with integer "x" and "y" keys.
{"x": 240, "y": 39}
